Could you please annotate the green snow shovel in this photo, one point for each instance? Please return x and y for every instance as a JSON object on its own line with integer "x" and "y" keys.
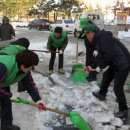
{"x": 78, "y": 121}
{"x": 78, "y": 73}
{"x": 75, "y": 117}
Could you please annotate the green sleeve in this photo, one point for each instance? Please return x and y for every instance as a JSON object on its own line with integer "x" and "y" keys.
{"x": 49, "y": 42}
{"x": 65, "y": 43}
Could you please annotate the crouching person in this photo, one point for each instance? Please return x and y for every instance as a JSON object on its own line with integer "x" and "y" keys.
{"x": 14, "y": 48}
{"x": 57, "y": 40}
{"x": 14, "y": 68}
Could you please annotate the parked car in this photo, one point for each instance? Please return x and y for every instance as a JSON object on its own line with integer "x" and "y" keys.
{"x": 66, "y": 24}
{"x": 39, "y": 24}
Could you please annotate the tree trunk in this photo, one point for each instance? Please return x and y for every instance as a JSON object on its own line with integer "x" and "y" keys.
{"x": 48, "y": 15}
{"x": 69, "y": 14}
{"x": 54, "y": 16}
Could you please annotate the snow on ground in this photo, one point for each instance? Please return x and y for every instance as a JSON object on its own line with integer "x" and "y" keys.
{"x": 123, "y": 34}
{"x": 66, "y": 96}
{"x": 19, "y": 24}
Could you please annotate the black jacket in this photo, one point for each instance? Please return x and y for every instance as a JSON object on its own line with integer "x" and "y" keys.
{"x": 89, "y": 52}
{"x": 111, "y": 50}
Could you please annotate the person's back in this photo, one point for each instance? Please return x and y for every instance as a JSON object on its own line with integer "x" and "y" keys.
{"x": 6, "y": 30}
{"x": 15, "y": 47}
{"x": 116, "y": 53}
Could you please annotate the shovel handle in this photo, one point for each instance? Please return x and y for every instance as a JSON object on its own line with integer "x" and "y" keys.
{"x": 84, "y": 69}
{"x": 77, "y": 60}
{"x": 45, "y": 51}
{"x": 93, "y": 69}
{"x": 49, "y": 109}
{"x": 49, "y": 77}
{"x": 35, "y": 71}
{"x": 33, "y": 104}
{"x": 57, "y": 111}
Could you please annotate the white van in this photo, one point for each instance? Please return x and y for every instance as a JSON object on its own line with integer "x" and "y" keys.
{"x": 96, "y": 17}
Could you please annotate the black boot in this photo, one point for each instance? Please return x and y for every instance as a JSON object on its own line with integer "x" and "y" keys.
{"x": 99, "y": 96}
{"x": 121, "y": 114}
{"x": 10, "y": 127}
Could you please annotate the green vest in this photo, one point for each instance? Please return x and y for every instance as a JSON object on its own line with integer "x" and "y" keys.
{"x": 12, "y": 70}
{"x": 58, "y": 42}
{"x": 12, "y": 49}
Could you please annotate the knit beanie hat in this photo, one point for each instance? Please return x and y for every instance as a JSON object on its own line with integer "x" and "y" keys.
{"x": 22, "y": 42}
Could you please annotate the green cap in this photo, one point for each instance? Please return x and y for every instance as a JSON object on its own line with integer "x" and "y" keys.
{"x": 83, "y": 22}
{"x": 89, "y": 28}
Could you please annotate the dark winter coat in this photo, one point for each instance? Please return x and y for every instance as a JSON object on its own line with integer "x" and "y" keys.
{"x": 111, "y": 50}
{"x": 6, "y": 30}
{"x": 89, "y": 52}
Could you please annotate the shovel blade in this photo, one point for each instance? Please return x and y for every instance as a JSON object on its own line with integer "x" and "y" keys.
{"x": 78, "y": 121}
{"x": 78, "y": 73}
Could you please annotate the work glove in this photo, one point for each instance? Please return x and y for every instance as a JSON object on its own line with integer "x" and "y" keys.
{"x": 95, "y": 53}
{"x": 41, "y": 105}
{"x": 60, "y": 52}
{"x": 98, "y": 69}
{"x": 88, "y": 69}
